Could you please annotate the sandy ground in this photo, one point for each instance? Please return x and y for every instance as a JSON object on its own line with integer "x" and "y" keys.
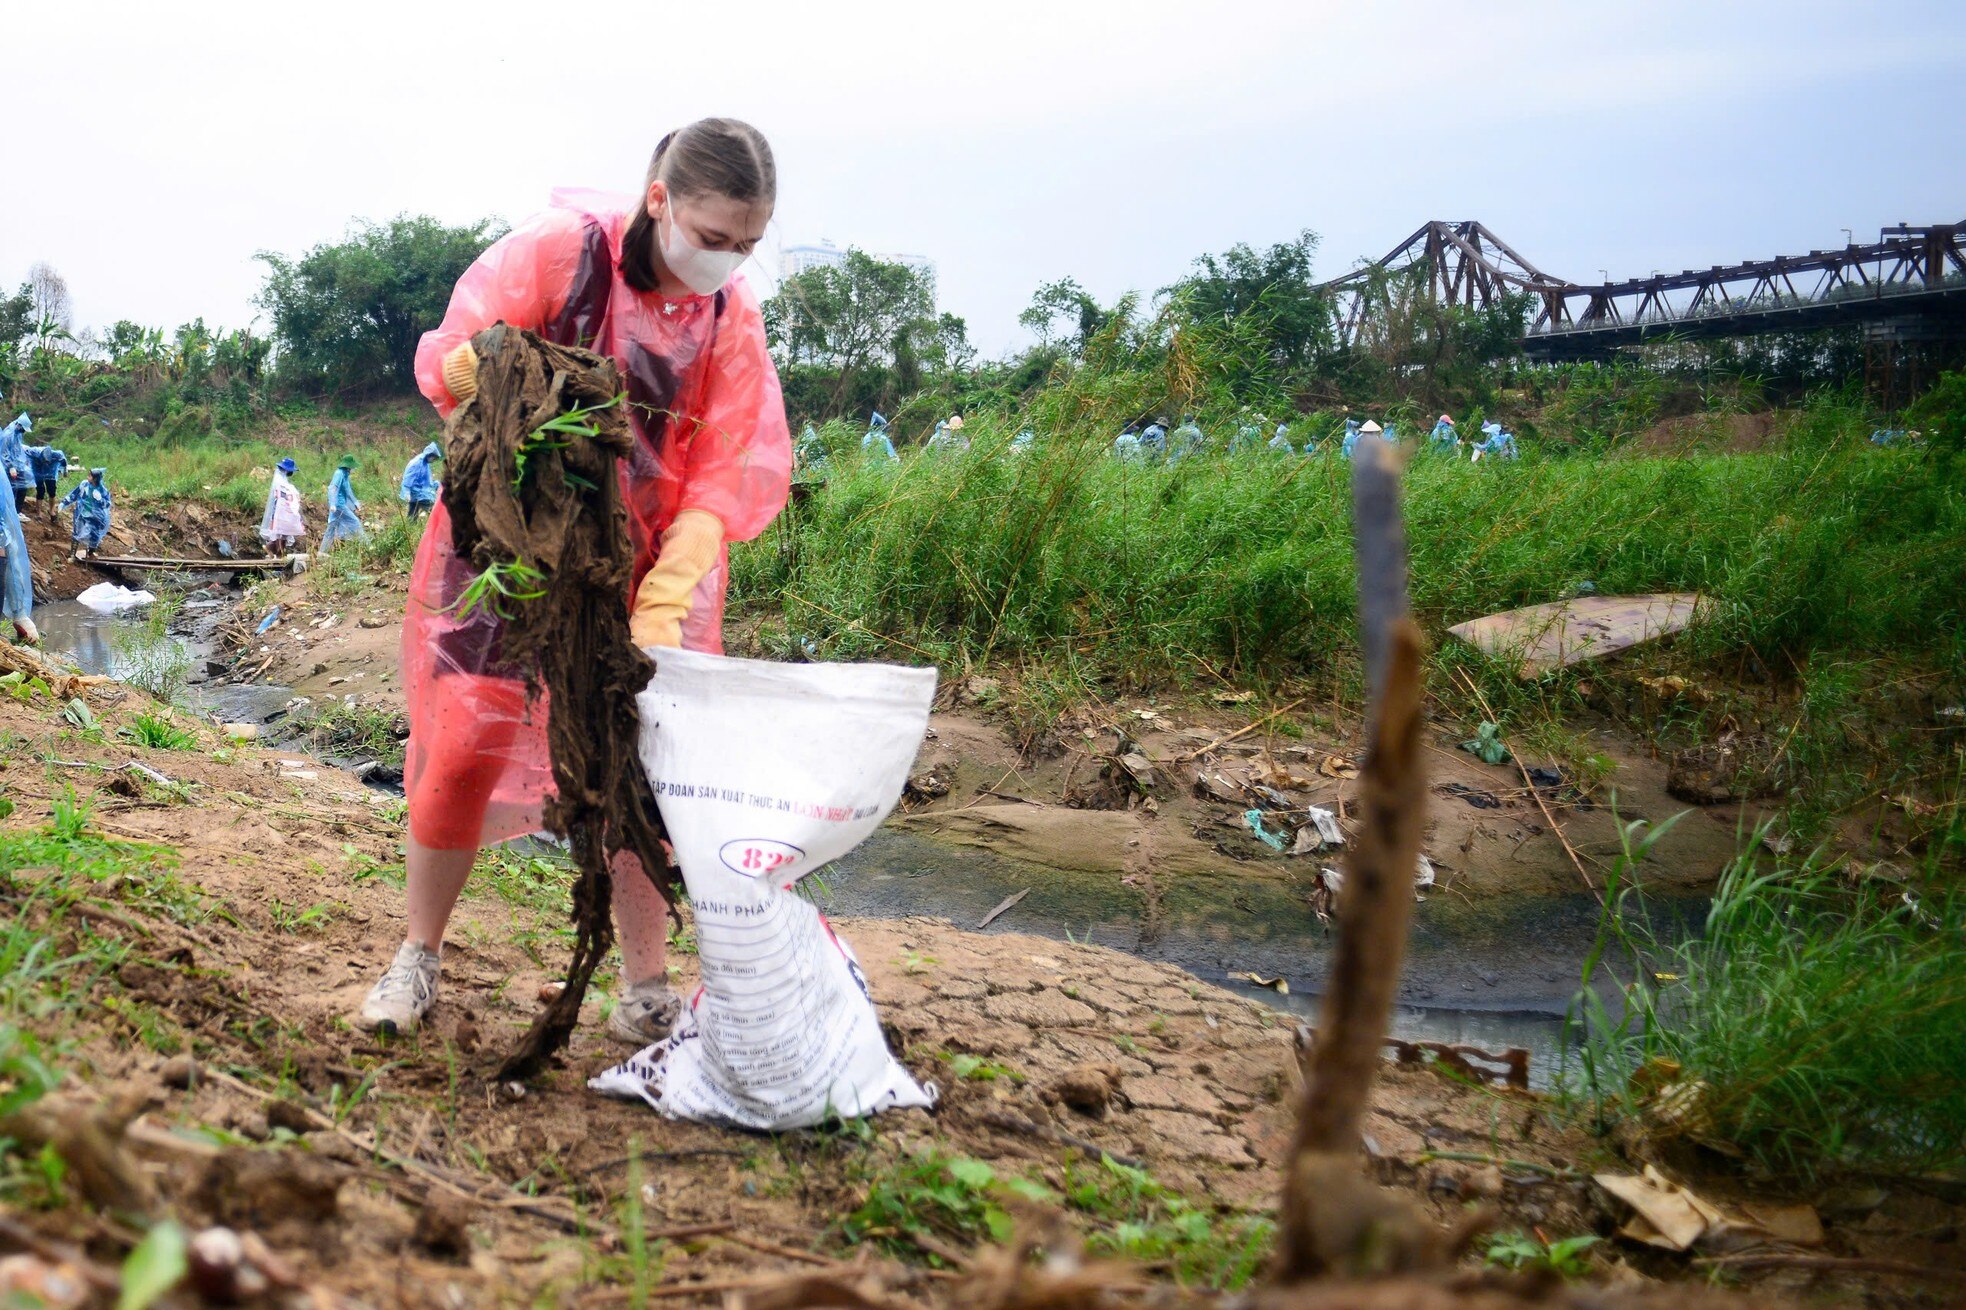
{"x": 393, "y": 1173}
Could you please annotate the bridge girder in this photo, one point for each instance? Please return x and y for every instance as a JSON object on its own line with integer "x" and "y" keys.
{"x": 1909, "y": 271}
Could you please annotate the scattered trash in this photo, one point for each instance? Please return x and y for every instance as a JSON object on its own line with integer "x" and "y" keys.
{"x": 1674, "y": 687}
{"x": 1268, "y": 797}
{"x": 240, "y": 731}
{"x": 1423, "y": 876}
{"x": 1139, "y": 768}
{"x": 272, "y": 617}
{"x": 1544, "y": 778}
{"x": 1544, "y": 637}
{"x": 1234, "y": 697}
{"x": 108, "y": 598}
{"x": 1275, "y": 841}
{"x": 927, "y": 786}
{"x": 1336, "y": 766}
{"x": 1319, "y": 833}
{"x": 1487, "y": 744}
{"x": 1213, "y": 786}
{"x": 1673, "y": 1217}
{"x": 1279, "y": 985}
{"x": 1664, "y": 1214}
{"x": 1481, "y": 800}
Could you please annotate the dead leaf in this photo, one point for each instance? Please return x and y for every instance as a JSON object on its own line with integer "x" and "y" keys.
{"x": 1335, "y": 766}
{"x": 1664, "y": 1214}
{"x": 1280, "y": 986}
{"x": 1234, "y": 697}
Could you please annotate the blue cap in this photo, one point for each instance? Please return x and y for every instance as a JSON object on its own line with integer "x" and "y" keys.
{"x": 287, "y": 465}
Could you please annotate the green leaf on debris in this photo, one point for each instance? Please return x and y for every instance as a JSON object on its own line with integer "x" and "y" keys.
{"x": 156, "y": 1265}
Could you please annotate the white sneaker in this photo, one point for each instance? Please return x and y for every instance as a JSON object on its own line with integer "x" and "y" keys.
{"x": 645, "y": 1012}
{"x": 405, "y": 993}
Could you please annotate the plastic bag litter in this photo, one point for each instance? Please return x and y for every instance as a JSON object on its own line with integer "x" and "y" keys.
{"x": 1423, "y": 876}
{"x": 108, "y": 597}
{"x": 765, "y": 772}
{"x": 1320, "y": 832}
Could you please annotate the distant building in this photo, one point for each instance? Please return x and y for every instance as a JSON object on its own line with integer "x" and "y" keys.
{"x": 794, "y": 260}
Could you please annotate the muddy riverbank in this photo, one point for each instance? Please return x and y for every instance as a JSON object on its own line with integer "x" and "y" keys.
{"x": 1494, "y": 971}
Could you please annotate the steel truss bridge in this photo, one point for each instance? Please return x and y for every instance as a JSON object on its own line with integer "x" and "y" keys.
{"x": 1908, "y": 286}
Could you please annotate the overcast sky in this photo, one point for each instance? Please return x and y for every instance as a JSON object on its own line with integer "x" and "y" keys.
{"x": 151, "y": 149}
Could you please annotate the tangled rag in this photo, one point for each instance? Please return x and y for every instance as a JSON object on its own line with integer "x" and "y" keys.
{"x": 535, "y": 505}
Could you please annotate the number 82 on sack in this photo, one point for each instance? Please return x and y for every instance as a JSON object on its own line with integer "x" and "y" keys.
{"x": 754, "y": 857}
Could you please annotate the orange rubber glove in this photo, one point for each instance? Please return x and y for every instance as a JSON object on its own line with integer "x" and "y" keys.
{"x": 689, "y": 551}
{"x": 461, "y": 372}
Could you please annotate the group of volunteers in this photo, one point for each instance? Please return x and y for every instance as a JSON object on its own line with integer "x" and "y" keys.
{"x": 947, "y": 437}
{"x": 1151, "y": 441}
{"x": 283, "y": 525}
{"x": 36, "y": 472}
{"x": 1155, "y": 444}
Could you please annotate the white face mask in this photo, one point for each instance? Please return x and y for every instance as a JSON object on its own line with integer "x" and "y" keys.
{"x": 702, "y": 271}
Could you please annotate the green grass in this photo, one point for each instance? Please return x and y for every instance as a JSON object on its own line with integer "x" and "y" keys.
{"x": 161, "y": 732}
{"x": 1245, "y": 565}
{"x": 927, "y": 1199}
{"x": 66, "y": 889}
{"x": 148, "y": 656}
{"x": 355, "y": 731}
{"x": 1815, "y": 1028}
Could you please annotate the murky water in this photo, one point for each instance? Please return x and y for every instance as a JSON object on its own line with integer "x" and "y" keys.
{"x": 110, "y": 645}
{"x": 1492, "y": 974}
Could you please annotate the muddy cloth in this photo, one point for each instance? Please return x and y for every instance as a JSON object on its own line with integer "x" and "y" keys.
{"x": 550, "y": 501}
{"x": 709, "y": 421}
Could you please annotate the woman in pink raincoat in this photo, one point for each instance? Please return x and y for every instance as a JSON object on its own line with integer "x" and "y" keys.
{"x": 649, "y": 282}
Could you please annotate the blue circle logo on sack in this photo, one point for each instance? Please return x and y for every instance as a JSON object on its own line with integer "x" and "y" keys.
{"x": 754, "y": 857}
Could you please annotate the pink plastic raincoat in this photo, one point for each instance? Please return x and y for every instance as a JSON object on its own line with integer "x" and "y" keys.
{"x": 704, "y": 400}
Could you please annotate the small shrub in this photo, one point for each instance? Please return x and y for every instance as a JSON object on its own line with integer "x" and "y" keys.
{"x": 160, "y": 732}
{"x": 1809, "y": 1026}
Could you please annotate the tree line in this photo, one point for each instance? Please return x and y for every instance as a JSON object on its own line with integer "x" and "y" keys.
{"x": 1245, "y": 328}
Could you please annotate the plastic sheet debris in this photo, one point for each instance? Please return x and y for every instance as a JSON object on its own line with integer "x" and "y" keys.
{"x": 266, "y": 624}
{"x": 1423, "y": 876}
{"x": 108, "y": 598}
{"x": 764, "y": 773}
{"x": 1539, "y": 638}
{"x": 1320, "y": 832}
{"x": 1486, "y": 745}
{"x": 1274, "y": 840}
{"x": 1474, "y": 796}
